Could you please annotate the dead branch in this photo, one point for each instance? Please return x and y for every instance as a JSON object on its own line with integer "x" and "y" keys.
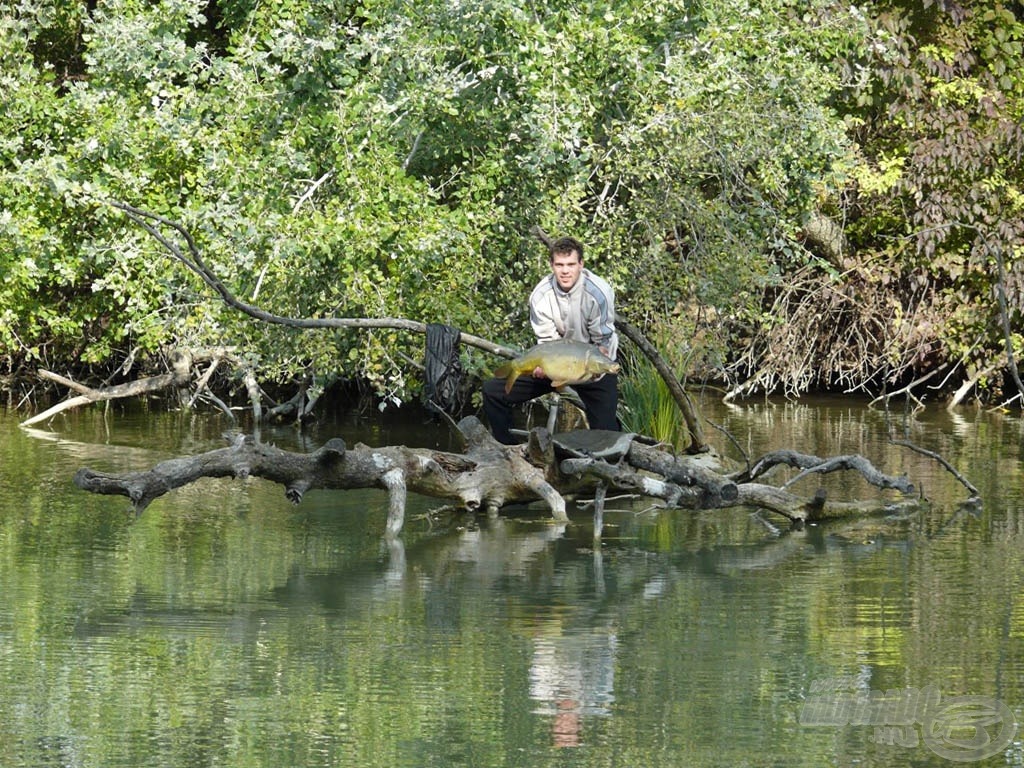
{"x": 818, "y": 508}
{"x": 193, "y": 260}
{"x": 908, "y": 389}
{"x": 949, "y": 467}
{"x": 813, "y": 464}
{"x": 131, "y": 389}
{"x": 717, "y": 490}
{"x": 69, "y": 383}
{"x": 862, "y": 465}
{"x": 698, "y": 443}
{"x": 969, "y": 383}
{"x": 179, "y": 376}
{"x": 486, "y": 477}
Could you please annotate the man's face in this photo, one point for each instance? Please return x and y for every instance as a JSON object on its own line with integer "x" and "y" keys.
{"x": 567, "y": 268}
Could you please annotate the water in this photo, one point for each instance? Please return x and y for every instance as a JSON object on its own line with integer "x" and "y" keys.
{"x": 225, "y": 627}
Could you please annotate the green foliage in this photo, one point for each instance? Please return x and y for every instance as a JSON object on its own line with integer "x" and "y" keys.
{"x": 388, "y": 158}
{"x": 939, "y": 188}
{"x": 647, "y": 407}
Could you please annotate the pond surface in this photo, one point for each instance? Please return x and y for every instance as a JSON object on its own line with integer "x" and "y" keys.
{"x": 226, "y": 627}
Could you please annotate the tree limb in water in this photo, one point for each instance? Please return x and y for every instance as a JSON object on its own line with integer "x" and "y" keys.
{"x": 815, "y": 465}
{"x": 486, "y": 477}
{"x": 179, "y": 377}
{"x": 131, "y": 389}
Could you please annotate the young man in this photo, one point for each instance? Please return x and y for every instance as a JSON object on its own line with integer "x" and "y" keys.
{"x": 570, "y": 303}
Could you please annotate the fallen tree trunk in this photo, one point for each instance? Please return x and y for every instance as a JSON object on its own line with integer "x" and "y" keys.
{"x": 486, "y": 477}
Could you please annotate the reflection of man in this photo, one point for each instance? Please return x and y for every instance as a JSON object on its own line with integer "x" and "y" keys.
{"x": 565, "y": 730}
{"x": 572, "y": 674}
{"x": 571, "y": 303}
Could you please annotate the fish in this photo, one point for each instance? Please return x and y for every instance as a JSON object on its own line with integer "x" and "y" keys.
{"x": 565, "y": 362}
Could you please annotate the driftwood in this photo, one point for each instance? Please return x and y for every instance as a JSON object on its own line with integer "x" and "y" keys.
{"x": 489, "y": 476}
{"x": 179, "y": 377}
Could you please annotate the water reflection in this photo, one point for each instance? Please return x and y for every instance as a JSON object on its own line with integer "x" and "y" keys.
{"x": 572, "y": 675}
{"x": 226, "y": 627}
{"x": 527, "y": 576}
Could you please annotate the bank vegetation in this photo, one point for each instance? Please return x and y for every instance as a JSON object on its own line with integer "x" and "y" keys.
{"x": 788, "y": 195}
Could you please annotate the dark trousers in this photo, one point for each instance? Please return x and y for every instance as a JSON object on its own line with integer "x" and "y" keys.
{"x": 600, "y": 401}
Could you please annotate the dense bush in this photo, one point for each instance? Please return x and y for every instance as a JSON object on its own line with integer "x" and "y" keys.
{"x": 389, "y": 158}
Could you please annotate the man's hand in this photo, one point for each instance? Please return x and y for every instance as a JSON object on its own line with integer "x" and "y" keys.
{"x": 538, "y": 373}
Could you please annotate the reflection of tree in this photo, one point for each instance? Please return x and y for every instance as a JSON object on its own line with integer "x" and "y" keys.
{"x": 521, "y": 627}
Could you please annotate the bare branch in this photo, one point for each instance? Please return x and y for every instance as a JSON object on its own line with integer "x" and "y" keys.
{"x": 813, "y": 464}
{"x": 195, "y": 263}
{"x": 932, "y": 455}
{"x": 131, "y": 389}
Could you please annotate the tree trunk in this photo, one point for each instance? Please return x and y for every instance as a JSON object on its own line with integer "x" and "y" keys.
{"x": 489, "y": 476}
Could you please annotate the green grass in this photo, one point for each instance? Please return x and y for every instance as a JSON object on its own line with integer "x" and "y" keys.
{"x": 646, "y": 406}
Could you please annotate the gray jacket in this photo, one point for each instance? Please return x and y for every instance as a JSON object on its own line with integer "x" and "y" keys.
{"x": 586, "y": 313}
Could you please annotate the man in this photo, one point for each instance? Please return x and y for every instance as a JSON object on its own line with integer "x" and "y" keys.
{"x": 570, "y": 303}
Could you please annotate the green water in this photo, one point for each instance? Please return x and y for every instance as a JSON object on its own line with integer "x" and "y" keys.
{"x": 225, "y": 627}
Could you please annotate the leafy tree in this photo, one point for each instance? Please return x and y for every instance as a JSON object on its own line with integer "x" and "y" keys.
{"x": 945, "y": 113}
{"x": 933, "y": 207}
{"x": 388, "y": 158}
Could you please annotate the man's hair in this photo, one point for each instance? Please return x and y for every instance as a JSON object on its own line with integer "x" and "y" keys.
{"x": 566, "y": 245}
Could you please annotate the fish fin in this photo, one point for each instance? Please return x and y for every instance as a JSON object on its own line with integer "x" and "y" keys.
{"x": 558, "y": 384}
{"x": 503, "y": 370}
{"x": 511, "y": 381}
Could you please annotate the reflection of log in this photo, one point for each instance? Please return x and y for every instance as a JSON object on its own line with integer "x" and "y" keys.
{"x": 486, "y": 477}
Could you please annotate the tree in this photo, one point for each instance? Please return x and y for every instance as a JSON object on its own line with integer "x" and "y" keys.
{"x": 488, "y": 476}
{"x": 388, "y": 159}
{"x": 930, "y": 216}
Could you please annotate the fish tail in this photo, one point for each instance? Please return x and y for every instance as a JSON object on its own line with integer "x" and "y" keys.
{"x": 507, "y": 372}
{"x": 511, "y": 381}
